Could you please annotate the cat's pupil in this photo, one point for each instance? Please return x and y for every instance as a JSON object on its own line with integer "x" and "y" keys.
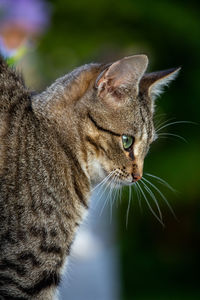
{"x": 127, "y": 141}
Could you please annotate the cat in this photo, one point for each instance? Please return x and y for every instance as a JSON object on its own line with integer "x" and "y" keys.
{"x": 94, "y": 122}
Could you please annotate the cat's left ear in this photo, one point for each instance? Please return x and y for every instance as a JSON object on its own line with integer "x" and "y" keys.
{"x": 152, "y": 84}
{"x": 121, "y": 79}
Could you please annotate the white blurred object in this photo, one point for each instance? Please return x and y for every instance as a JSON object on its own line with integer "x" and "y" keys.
{"x": 86, "y": 245}
{"x": 93, "y": 268}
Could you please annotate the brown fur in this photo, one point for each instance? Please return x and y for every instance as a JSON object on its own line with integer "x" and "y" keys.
{"x": 53, "y": 147}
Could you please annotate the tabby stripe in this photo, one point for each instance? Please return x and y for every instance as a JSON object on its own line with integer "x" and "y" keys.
{"x": 51, "y": 249}
{"x": 7, "y": 237}
{"x": 47, "y": 209}
{"x": 61, "y": 223}
{"x": 101, "y": 128}
{"x": 36, "y": 231}
{"x": 83, "y": 148}
{"x": 79, "y": 194}
{"x": 6, "y": 296}
{"x": 6, "y": 264}
{"x": 26, "y": 173}
{"x": 141, "y": 113}
{"x": 53, "y": 233}
{"x": 76, "y": 170}
{"x": 97, "y": 147}
{"x": 68, "y": 214}
{"x": 42, "y": 233}
{"x": 47, "y": 280}
{"x": 68, "y": 249}
{"x": 25, "y": 256}
{"x": 106, "y": 153}
{"x": 51, "y": 195}
{"x": 92, "y": 142}
{"x": 17, "y": 136}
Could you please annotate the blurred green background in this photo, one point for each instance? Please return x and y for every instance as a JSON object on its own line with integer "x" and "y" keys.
{"x": 156, "y": 262}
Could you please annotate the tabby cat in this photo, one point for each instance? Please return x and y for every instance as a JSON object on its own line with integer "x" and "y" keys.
{"x": 54, "y": 147}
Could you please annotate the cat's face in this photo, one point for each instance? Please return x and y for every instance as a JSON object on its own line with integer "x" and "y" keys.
{"x": 119, "y": 139}
{"x": 119, "y": 128}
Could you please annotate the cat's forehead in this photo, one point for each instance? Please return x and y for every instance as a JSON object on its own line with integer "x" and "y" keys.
{"x": 133, "y": 119}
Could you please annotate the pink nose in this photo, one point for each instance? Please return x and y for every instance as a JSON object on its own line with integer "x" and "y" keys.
{"x": 136, "y": 177}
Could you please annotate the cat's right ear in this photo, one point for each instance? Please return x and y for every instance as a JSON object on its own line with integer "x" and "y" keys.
{"x": 154, "y": 83}
{"x": 121, "y": 79}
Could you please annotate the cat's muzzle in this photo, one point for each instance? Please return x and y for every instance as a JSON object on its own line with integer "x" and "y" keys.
{"x": 136, "y": 177}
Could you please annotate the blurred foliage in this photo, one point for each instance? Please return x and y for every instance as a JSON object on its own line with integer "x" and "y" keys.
{"x": 156, "y": 263}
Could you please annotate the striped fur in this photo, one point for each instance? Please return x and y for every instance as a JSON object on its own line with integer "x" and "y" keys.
{"x": 53, "y": 147}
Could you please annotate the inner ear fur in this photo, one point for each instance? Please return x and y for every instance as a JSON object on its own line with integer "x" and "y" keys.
{"x": 152, "y": 84}
{"x": 120, "y": 78}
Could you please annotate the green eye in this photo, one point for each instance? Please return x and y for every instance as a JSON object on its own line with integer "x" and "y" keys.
{"x": 127, "y": 141}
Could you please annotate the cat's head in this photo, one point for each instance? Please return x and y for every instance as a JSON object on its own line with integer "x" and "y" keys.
{"x": 119, "y": 123}
{"x": 111, "y": 108}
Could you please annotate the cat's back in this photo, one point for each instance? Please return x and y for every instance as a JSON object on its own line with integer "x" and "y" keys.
{"x": 12, "y": 88}
{"x": 14, "y": 100}
{"x": 25, "y": 177}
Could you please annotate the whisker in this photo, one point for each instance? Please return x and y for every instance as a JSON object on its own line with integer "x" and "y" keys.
{"x": 105, "y": 202}
{"x": 105, "y": 179}
{"x": 148, "y": 204}
{"x": 176, "y": 122}
{"x": 102, "y": 186}
{"x": 115, "y": 189}
{"x": 159, "y": 118}
{"x": 163, "y": 197}
{"x": 162, "y": 181}
{"x": 111, "y": 206}
{"x": 108, "y": 195}
{"x": 112, "y": 198}
{"x": 118, "y": 191}
{"x": 138, "y": 193}
{"x": 158, "y": 126}
{"x": 102, "y": 189}
{"x": 128, "y": 208}
{"x": 154, "y": 199}
{"x": 172, "y": 134}
{"x": 120, "y": 194}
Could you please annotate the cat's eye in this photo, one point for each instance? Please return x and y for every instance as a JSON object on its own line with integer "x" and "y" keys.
{"x": 127, "y": 141}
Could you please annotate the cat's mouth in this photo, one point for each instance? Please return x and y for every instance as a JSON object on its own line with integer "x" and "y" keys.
{"x": 119, "y": 179}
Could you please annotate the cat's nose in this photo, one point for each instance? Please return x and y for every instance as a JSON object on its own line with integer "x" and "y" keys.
{"x": 136, "y": 177}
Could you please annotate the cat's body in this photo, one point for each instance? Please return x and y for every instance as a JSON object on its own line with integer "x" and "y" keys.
{"x": 53, "y": 148}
